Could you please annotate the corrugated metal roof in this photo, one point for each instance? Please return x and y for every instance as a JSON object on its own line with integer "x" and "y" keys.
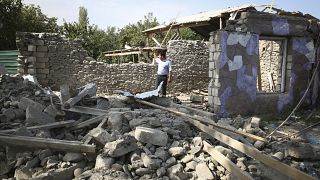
{"x": 9, "y": 60}
{"x": 201, "y": 17}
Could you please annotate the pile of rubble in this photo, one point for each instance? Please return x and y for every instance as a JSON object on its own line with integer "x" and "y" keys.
{"x": 117, "y": 138}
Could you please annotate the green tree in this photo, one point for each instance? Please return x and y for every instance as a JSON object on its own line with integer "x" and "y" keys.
{"x": 15, "y": 16}
{"x": 83, "y": 20}
{"x": 10, "y": 13}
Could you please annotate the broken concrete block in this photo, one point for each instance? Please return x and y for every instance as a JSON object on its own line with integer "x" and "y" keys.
{"x": 176, "y": 151}
{"x": 103, "y": 162}
{"x": 255, "y": 122}
{"x": 101, "y": 136}
{"x": 203, "y": 172}
{"x": 191, "y": 165}
{"x": 73, "y": 157}
{"x": 144, "y": 171}
{"x": 51, "y": 110}
{"x": 176, "y": 172}
{"x": 121, "y": 146}
{"x": 187, "y": 158}
{"x": 151, "y": 136}
{"x": 115, "y": 120}
{"x": 25, "y": 102}
{"x": 150, "y": 161}
{"x": 278, "y": 155}
{"x": 23, "y": 173}
{"x": 196, "y": 98}
{"x": 259, "y": 145}
{"x": 161, "y": 171}
{"x": 162, "y": 153}
{"x": 36, "y": 116}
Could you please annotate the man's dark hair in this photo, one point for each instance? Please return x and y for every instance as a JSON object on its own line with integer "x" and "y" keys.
{"x": 162, "y": 54}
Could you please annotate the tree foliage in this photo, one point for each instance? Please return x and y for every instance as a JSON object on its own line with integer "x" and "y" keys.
{"x": 15, "y": 16}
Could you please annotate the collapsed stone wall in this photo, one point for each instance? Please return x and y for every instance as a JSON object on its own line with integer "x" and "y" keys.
{"x": 55, "y": 60}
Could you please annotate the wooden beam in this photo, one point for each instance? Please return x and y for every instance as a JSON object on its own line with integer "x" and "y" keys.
{"x": 196, "y": 111}
{"x": 204, "y": 120}
{"x": 122, "y": 54}
{"x": 156, "y": 41}
{"x": 88, "y": 138}
{"x": 86, "y": 110}
{"x": 46, "y": 126}
{"x": 88, "y": 122}
{"x": 253, "y": 152}
{"x": 225, "y": 162}
{"x": 44, "y": 143}
{"x": 88, "y": 89}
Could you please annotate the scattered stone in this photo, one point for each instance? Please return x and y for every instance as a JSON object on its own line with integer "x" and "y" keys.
{"x": 35, "y": 116}
{"x": 195, "y": 150}
{"x": 278, "y": 155}
{"x": 162, "y": 153}
{"x": 191, "y": 165}
{"x": 171, "y": 161}
{"x": 24, "y": 103}
{"x": 151, "y": 136}
{"x": 102, "y": 162}
{"x": 115, "y": 120}
{"x": 176, "y": 151}
{"x": 77, "y": 172}
{"x": 149, "y": 162}
{"x": 301, "y": 150}
{"x": 121, "y": 146}
{"x": 255, "y": 122}
{"x": 203, "y": 172}
{"x": 241, "y": 165}
{"x": 259, "y": 145}
{"x": 73, "y": 157}
{"x": 238, "y": 122}
{"x": 176, "y": 172}
{"x": 116, "y": 167}
{"x": 45, "y": 153}
{"x": 187, "y": 158}
{"x": 144, "y": 171}
{"x": 197, "y": 141}
{"x": 252, "y": 168}
{"x": 101, "y": 136}
{"x": 34, "y": 162}
{"x": 161, "y": 171}
{"x": 23, "y": 173}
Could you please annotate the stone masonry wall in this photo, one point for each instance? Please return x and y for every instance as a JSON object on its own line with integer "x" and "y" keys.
{"x": 55, "y": 61}
{"x": 270, "y": 59}
{"x": 233, "y": 61}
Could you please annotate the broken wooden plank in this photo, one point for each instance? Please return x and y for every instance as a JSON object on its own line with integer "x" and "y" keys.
{"x": 45, "y": 126}
{"x": 204, "y": 120}
{"x": 196, "y": 111}
{"x": 89, "y": 137}
{"x": 225, "y": 162}
{"x": 88, "y": 122}
{"x": 86, "y": 110}
{"x": 253, "y": 152}
{"x": 35, "y": 142}
{"x": 88, "y": 89}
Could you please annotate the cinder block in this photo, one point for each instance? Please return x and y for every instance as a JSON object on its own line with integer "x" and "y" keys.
{"x": 31, "y": 71}
{"x": 41, "y": 65}
{"x": 32, "y": 48}
{"x": 31, "y": 59}
{"x": 211, "y": 65}
{"x": 43, "y": 71}
{"x": 40, "y": 54}
{"x": 39, "y": 42}
{"x": 43, "y": 59}
{"x": 210, "y": 100}
{"x": 42, "y": 48}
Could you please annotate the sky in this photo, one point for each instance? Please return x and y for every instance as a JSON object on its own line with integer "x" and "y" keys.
{"x": 119, "y": 13}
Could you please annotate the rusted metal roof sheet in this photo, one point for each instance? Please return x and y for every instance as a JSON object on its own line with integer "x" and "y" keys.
{"x": 200, "y": 17}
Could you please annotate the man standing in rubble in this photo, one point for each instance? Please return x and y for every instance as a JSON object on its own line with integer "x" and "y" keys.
{"x": 164, "y": 70}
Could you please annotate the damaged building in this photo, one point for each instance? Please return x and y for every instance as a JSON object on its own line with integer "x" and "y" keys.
{"x": 259, "y": 62}
{"x": 60, "y": 117}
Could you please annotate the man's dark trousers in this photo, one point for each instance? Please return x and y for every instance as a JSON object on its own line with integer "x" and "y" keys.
{"x": 163, "y": 78}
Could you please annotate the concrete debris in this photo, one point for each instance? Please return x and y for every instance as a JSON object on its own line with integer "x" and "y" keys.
{"x": 121, "y": 146}
{"x": 130, "y": 143}
{"x": 151, "y": 136}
